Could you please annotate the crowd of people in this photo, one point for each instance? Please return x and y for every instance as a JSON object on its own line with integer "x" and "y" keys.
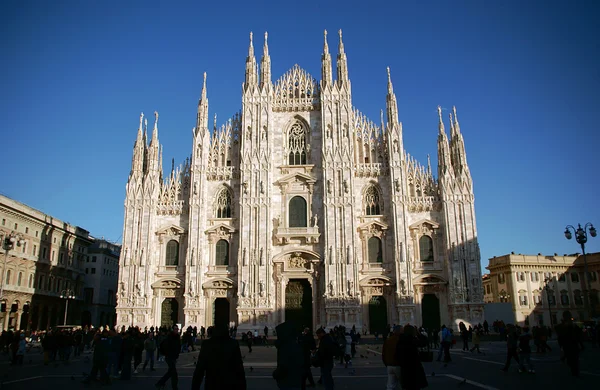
{"x": 119, "y": 353}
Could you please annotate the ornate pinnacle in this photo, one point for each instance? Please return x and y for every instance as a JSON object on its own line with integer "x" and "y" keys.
{"x": 155, "y": 119}
{"x": 390, "y": 87}
{"x": 341, "y": 47}
{"x": 266, "y": 46}
{"x": 141, "y": 119}
{"x": 215, "y": 122}
{"x": 439, "y": 110}
{"x": 325, "y": 45}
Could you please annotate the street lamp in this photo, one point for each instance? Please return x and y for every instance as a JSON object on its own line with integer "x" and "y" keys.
{"x": 67, "y": 294}
{"x": 504, "y": 297}
{"x": 581, "y": 238}
{"x": 8, "y": 242}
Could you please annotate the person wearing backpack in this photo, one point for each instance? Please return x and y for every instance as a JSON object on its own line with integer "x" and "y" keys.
{"x": 446, "y": 342}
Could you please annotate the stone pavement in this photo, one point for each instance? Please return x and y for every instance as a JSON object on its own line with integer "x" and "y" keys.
{"x": 467, "y": 371}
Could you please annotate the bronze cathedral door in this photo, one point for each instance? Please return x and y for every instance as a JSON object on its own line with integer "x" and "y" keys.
{"x": 298, "y": 303}
{"x": 169, "y": 312}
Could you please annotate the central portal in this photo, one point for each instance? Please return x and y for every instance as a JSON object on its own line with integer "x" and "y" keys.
{"x": 169, "y": 312}
{"x": 221, "y": 312}
{"x": 298, "y": 302}
{"x": 430, "y": 311}
{"x": 377, "y": 315}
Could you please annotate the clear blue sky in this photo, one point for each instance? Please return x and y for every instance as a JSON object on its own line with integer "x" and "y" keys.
{"x": 524, "y": 76}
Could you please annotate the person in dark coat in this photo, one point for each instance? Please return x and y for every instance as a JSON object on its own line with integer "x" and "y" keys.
{"x": 325, "y": 353}
{"x": 307, "y": 342}
{"x": 99, "y": 359}
{"x": 127, "y": 353}
{"x": 290, "y": 360}
{"x": 412, "y": 375}
{"x": 220, "y": 360}
{"x": 170, "y": 348}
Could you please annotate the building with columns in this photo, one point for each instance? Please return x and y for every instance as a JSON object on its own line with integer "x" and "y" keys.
{"x": 49, "y": 260}
{"x": 540, "y": 288}
{"x": 299, "y": 207}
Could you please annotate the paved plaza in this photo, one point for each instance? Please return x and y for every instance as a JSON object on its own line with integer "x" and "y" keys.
{"x": 467, "y": 371}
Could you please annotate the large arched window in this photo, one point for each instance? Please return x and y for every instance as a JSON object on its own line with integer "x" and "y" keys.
{"x": 224, "y": 204}
{"x": 426, "y": 248}
{"x": 297, "y": 144}
{"x": 297, "y": 212}
{"x": 375, "y": 255}
{"x": 372, "y": 201}
{"x": 172, "y": 258}
{"x": 564, "y": 298}
{"x": 222, "y": 253}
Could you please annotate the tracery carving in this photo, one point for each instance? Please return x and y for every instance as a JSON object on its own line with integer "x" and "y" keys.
{"x": 296, "y": 90}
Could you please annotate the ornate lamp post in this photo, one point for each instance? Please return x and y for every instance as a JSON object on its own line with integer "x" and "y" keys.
{"x": 8, "y": 242}
{"x": 504, "y": 297}
{"x": 547, "y": 288}
{"x": 67, "y": 294}
{"x": 581, "y": 237}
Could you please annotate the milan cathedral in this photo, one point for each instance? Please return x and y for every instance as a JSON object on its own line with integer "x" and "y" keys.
{"x": 300, "y": 208}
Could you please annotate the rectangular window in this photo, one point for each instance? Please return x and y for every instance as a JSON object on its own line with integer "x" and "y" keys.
{"x": 24, "y": 247}
{"x": 34, "y": 250}
{"x": 593, "y": 276}
{"x": 93, "y": 271}
{"x": 44, "y": 253}
{"x": 36, "y": 233}
{"x": 16, "y": 226}
{"x": 26, "y": 230}
{"x": 574, "y": 277}
{"x": 562, "y": 278}
{"x": 52, "y": 255}
{"x": 89, "y": 295}
{"x": 54, "y": 240}
{"x": 61, "y": 258}
{"x": 87, "y": 270}
{"x": 93, "y": 259}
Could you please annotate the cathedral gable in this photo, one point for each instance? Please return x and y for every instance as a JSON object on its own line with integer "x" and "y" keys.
{"x": 296, "y": 90}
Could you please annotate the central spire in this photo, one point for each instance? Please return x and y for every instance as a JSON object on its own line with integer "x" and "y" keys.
{"x": 202, "y": 116}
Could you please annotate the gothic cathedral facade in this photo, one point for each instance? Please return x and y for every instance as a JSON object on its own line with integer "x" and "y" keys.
{"x": 300, "y": 208}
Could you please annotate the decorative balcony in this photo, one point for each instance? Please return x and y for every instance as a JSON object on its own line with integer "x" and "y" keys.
{"x": 310, "y": 235}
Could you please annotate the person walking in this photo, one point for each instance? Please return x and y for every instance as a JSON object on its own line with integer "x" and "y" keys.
{"x": 476, "y": 340}
{"x": 170, "y": 349}
{"x": 412, "y": 373}
{"x": 391, "y": 358}
{"x": 307, "y": 342}
{"x": 525, "y": 351}
{"x": 220, "y": 361}
{"x": 325, "y": 353}
{"x": 149, "y": 348}
{"x": 446, "y": 341}
{"x": 570, "y": 340}
{"x": 511, "y": 346}
{"x": 289, "y": 373}
{"x": 464, "y": 335}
